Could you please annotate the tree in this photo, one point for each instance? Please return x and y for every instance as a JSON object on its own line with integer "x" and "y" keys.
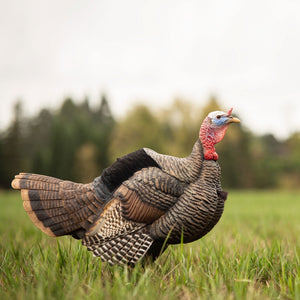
{"x": 290, "y": 162}
{"x": 102, "y": 132}
{"x": 140, "y": 128}
{"x": 180, "y": 127}
{"x": 38, "y": 142}
{"x": 14, "y": 158}
{"x": 85, "y": 163}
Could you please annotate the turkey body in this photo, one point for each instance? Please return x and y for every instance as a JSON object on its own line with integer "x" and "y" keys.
{"x": 140, "y": 204}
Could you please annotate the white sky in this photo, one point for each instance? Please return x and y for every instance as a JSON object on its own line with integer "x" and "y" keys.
{"x": 246, "y": 52}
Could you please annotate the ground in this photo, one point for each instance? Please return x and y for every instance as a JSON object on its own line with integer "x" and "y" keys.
{"x": 252, "y": 253}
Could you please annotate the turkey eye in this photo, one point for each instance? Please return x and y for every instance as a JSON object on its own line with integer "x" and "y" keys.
{"x": 218, "y": 117}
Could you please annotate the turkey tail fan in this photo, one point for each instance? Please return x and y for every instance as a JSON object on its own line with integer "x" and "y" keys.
{"x": 58, "y": 207}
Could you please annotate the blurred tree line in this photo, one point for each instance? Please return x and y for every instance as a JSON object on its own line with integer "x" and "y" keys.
{"x": 76, "y": 142}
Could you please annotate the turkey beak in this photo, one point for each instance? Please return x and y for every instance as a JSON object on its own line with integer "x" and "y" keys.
{"x": 233, "y": 120}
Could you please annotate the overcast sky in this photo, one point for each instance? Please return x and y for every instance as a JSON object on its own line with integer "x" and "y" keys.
{"x": 245, "y": 52}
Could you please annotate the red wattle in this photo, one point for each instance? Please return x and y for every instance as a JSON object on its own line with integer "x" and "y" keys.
{"x": 211, "y": 155}
{"x": 210, "y": 136}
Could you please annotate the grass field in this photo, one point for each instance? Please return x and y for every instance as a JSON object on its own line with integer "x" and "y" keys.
{"x": 252, "y": 253}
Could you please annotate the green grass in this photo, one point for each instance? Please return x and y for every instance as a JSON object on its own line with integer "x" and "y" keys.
{"x": 253, "y": 253}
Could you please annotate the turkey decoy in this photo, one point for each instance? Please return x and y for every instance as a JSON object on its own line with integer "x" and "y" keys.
{"x": 140, "y": 204}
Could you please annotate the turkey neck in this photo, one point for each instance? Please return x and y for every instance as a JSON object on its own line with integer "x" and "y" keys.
{"x": 188, "y": 168}
{"x": 185, "y": 169}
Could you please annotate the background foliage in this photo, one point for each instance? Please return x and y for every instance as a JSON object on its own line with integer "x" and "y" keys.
{"x": 77, "y": 142}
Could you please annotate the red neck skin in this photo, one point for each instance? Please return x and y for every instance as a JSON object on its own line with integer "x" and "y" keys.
{"x": 209, "y": 136}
